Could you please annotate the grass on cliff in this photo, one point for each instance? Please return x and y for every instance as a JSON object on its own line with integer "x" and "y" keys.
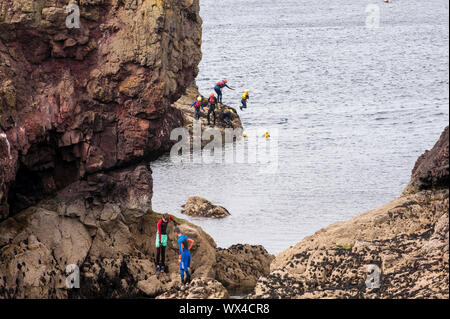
{"x": 155, "y": 215}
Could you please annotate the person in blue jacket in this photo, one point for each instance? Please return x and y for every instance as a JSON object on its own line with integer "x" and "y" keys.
{"x": 185, "y": 244}
{"x": 197, "y": 105}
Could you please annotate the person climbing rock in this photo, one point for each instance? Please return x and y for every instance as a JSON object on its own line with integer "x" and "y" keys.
{"x": 227, "y": 117}
{"x": 245, "y": 97}
{"x": 218, "y": 88}
{"x": 212, "y": 103}
{"x": 185, "y": 244}
{"x": 197, "y": 105}
{"x": 161, "y": 242}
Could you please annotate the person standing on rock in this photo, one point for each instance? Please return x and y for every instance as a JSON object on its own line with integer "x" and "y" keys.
{"x": 218, "y": 88}
{"x": 212, "y": 103}
{"x": 185, "y": 244}
{"x": 245, "y": 97}
{"x": 197, "y": 105}
{"x": 161, "y": 242}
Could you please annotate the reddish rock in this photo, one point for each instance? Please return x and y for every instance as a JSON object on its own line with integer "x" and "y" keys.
{"x": 75, "y": 102}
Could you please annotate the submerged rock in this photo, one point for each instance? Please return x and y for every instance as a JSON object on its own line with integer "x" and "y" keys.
{"x": 405, "y": 240}
{"x": 200, "y": 207}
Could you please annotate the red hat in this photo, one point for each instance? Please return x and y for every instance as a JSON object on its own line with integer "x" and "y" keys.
{"x": 211, "y": 95}
{"x": 225, "y": 81}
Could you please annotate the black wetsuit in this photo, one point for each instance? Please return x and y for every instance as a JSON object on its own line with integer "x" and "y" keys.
{"x": 212, "y": 102}
{"x": 227, "y": 117}
{"x": 218, "y": 89}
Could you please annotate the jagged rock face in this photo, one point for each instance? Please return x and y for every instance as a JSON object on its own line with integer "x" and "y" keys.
{"x": 432, "y": 168}
{"x": 74, "y": 102}
{"x": 200, "y": 207}
{"x": 240, "y": 266}
{"x": 407, "y": 239}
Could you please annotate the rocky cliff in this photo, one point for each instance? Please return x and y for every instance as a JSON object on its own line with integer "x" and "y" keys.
{"x": 405, "y": 241}
{"x": 83, "y": 101}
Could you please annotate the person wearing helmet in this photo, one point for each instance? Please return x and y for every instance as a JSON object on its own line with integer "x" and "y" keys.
{"x": 227, "y": 116}
{"x": 161, "y": 242}
{"x": 245, "y": 97}
{"x": 212, "y": 103}
{"x": 197, "y": 105}
{"x": 218, "y": 88}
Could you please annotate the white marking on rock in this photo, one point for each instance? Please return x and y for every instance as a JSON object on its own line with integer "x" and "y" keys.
{"x": 5, "y": 138}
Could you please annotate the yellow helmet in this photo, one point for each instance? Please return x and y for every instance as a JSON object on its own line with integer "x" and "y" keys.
{"x": 246, "y": 91}
{"x": 199, "y": 99}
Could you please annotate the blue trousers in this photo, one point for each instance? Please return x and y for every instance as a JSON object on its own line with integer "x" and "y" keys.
{"x": 185, "y": 264}
{"x": 197, "y": 113}
{"x": 219, "y": 93}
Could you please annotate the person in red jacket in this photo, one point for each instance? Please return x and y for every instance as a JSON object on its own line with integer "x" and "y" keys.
{"x": 218, "y": 88}
{"x": 161, "y": 242}
{"x": 212, "y": 102}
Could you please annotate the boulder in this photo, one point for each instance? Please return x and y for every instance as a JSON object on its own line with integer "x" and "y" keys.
{"x": 200, "y": 207}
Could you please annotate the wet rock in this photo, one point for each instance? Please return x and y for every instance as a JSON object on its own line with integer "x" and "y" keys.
{"x": 200, "y": 207}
